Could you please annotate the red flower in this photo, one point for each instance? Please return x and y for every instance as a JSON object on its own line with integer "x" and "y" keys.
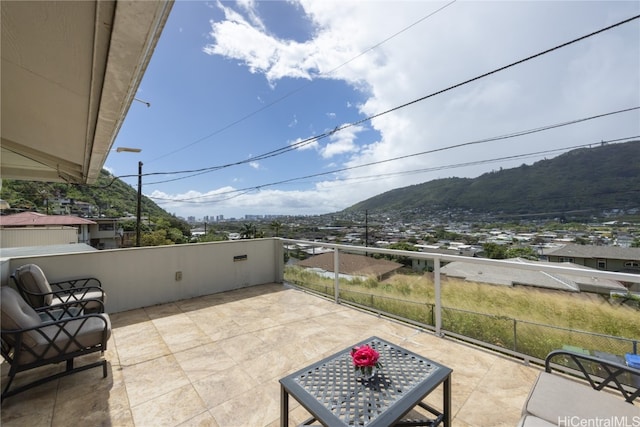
{"x": 365, "y": 356}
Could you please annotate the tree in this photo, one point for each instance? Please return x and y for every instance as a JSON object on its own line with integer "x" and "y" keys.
{"x": 248, "y": 231}
{"x": 494, "y": 251}
{"x": 212, "y": 236}
{"x": 175, "y": 235}
{"x": 155, "y": 238}
{"x": 402, "y": 246}
{"x": 525, "y": 252}
{"x": 276, "y": 226}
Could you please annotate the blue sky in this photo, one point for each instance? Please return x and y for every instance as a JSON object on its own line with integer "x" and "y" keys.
{"x": 231, "y": 81}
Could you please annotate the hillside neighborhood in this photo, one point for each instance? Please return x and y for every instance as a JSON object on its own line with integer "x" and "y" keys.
{"x": 607, "y": 247}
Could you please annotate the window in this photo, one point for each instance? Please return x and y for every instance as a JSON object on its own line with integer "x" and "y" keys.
{"x": 631, "y": 264}
{"x": 563, "y": 259}
{"x": 602, "y": 264}
{"x": 106, "y": 227}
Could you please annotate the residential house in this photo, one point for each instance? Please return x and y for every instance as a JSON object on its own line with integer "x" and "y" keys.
{"x": 107, "y": 233}
{"x": 608, "y": 258}
{"x": 420, "y": 264}
{"x": 36, "y": 229}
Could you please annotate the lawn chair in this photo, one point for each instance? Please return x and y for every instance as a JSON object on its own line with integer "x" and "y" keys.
{"x": 560, "y": 399}
{"x": 28, "y": 342}
{"x": 38, "y": 292}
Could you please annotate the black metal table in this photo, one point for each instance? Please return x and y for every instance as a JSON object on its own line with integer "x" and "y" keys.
{"x": 332, "y": 393}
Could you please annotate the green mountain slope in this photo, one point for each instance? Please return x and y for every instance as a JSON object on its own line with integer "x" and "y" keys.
{"x": 587, "y": 180}
{"x": 109, "y": 197}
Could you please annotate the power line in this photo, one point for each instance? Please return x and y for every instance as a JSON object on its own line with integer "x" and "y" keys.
{"x": 307, "y": 141}
{"x": 287, "y": 95}
{"x": 481, "y": 141}
{"x": 424, "y": 170}
{"x": 497, "y": 70}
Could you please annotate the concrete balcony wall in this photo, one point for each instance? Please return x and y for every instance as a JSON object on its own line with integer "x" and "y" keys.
{"x": 141, "y": 277}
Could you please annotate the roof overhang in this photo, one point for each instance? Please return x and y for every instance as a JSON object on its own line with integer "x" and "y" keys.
{"x": 70, "y": 71}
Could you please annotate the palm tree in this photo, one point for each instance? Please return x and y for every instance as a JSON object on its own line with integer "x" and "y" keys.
{"x": 276, "y": 225}
{"x": 248, "y": 231}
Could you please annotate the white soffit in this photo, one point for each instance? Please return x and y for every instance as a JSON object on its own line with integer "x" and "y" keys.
{"x": 70, "y": 70}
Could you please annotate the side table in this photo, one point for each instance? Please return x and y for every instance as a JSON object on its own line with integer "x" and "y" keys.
{"x": 334, "y": 396}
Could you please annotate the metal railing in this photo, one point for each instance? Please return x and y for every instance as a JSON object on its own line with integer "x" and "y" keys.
{"x": 524, "y": 339}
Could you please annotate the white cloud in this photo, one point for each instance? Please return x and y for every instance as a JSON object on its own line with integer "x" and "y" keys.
{"x": 254, "y": 165}
{"x": 342, "y": 142}
{"x": 305, "y": 145}
{"x": 237, "y": 203}
{"x": 459, "y": 43}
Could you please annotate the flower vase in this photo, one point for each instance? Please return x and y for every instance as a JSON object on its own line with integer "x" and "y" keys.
{"x": 365, "y": 373}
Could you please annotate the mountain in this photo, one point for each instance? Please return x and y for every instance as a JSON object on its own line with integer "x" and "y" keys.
{"x": 584, "y": 181}
{"x": 109, "y": 197}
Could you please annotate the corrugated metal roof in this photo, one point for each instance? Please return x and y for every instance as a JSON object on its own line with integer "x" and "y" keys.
{"x": 24, "y": 219}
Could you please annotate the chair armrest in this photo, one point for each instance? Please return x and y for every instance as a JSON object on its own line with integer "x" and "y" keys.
{"x": 76, "y": 283}
{"x": 57, "y": 340}
{"x": 69, "y": 309}
{"x": 600, "y": 373}
{"x": 76, "y": 294}
{"x": 72, "y": 295}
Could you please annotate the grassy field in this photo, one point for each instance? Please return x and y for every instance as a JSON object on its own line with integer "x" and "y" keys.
{"x": 492, "y": 312}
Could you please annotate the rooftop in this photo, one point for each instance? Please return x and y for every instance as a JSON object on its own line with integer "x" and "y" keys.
{"x": 351, "y": 264}
{"x": 26, "y": 219}
{"x": 216, "y": 360}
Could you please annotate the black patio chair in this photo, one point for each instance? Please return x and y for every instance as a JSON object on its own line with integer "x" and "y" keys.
{"x": 38, "y": 292}
{"x": 30, "y": 340}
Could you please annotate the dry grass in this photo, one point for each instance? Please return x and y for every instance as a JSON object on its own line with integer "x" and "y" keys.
{"x": 578, "y": 311}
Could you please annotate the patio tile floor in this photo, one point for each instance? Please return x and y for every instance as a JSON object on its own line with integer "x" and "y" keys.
{"x": 216, "y": 361}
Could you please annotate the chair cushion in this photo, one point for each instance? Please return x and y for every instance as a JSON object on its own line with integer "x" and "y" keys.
{"x": 86, "y": 332}
{"x": 17, "y": 314}
{"x": 555, "y": 397}
{"x": 31, "y": 278}
{"x": 81, "y": 294}
{"x": 530, "y": 421}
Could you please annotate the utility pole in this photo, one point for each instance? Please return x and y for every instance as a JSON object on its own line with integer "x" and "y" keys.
{"x": 139, "y": 207}
{"x": 139, "y": 210}
{"x": 366, "y": 230}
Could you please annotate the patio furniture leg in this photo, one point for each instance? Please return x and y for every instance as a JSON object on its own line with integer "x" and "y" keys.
{"x": 447, "y": 402}
{"x": 284, "y": 407}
